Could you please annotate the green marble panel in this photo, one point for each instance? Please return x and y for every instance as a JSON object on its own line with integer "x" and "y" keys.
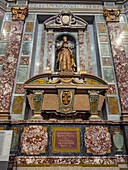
{"x": 100, "y": 18}
{"x": 8, "y": 17}
{"x": 108, "y": 74}
{"x": 30, "y": 17}
{"x": 22, "y": 74}
{"x": 126, "y": 49}
{"x": 0, "y": 24}
{"x": 3, "y": 47}
{"x": 26, "y": 49}
{"x": 0, "y": 69}
{"x": 122, "y": 18}
{"x": 104, "y": 49}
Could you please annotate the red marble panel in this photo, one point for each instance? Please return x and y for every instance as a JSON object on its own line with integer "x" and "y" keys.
{"x": 42, "y": 51}
{"x": 34, "y": 139}
{"x": 88, "y": 52}
{"x": 66, "y": 140}
{"x": 120, "y": 63}
{"x": 49, "y": 52}
{"x": 19, "y": 89}
{"x": 70, "y": 160}
{"x": 10, "y": 64}
{"x": 97, "y": 140}
{"x": 81, "y": 51}
{"x": 24, "y": 60}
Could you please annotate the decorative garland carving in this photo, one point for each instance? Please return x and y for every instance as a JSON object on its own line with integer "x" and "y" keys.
{"x": 61, "y": 80}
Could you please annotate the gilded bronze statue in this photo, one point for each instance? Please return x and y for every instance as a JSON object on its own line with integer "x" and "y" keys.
{"x": 65, "y": 57}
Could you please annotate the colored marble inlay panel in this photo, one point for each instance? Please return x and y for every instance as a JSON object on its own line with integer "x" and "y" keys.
{"x": 0, "y": 69}
{"x": 30, "y": 17}
{"x": 97, "y": 140}
{"x": 123, "y": 28}
{"x": 106, "y": 61}
{"x": 126, "y": 49}
{"x": 100, "y": 18}
{"x": 4, "y": 36}
{"x": 125, "y": 38}
{"x": 88, "y": 52}
{"x": 65, "y": 139}
{"x": 24, "y": 60}
{"x": 27, "y": 37}
{"x": 103, "y": 38}
{"x": 7, "y": 27}
{"x": 10, "y": 65}
{"x": 19, "y": 89}
{"x": 42, "y": 51}
{"x": 3, "y": 47}
{"x": 120, "y": 64}
{"x": 101, "y": 28}
{"x": 17, "y": 105}
{"x": 104, "y": 49}
{"x": 8, "y": 17}
{"x": 81, "y": 51}
{"x": 113, "y": 105}
{"x": 122, "y": 18}
{"x": 34, "y": 140}
{"x": 49, "y": 52}
{"x": 1, "y": 60}
{"x": 15, "y": 138}
{"x": 26, "y": 49}
{"x": 29, "y": 27}
{"x": 111, "y": 89}
{"x": 22, "y": 74}
{"x": 108, "y": 74}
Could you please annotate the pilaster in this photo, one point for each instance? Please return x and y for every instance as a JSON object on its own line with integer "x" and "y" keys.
{"x": 119, "y": 58}
{"x": 10, "y": 63}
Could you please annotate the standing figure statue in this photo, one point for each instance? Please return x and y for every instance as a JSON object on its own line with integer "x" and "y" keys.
{"x": 65, "y": 57}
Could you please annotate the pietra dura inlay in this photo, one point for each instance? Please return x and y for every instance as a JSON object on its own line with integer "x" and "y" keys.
{"x": 34, "y": 139}
{"x": 81, "y": 48}
{"x": 97, "y": 160}
{"x": 97, "y": 140}
{"x": 120, "y": 63}
{"x": 49, "y": 51}
{"x": 10, "y": 65}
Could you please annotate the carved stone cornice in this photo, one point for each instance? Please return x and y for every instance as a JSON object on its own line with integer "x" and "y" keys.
{"x": 19, "y": 13}
{"x": 111, "y": 15}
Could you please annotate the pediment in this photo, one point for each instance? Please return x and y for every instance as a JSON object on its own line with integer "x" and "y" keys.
{"x": 65, "y": 20}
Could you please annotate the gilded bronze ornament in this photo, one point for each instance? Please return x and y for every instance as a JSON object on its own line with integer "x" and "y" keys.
{"x": 19, "y": 13}
{"x": 111, "y": 14}
{"x": 65, "y": 57}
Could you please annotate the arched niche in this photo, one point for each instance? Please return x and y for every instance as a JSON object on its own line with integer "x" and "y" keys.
{"x": 65, "y": 24}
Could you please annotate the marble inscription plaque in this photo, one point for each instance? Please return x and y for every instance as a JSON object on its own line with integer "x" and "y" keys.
{"x": 65, "y": 139}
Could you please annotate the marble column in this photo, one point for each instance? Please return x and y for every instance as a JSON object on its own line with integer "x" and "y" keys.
{"x": 10, "y": 63}
{"x": 119, "y": 58}
{"x": 48, "y": 68}
{"x": 81, "y": 51}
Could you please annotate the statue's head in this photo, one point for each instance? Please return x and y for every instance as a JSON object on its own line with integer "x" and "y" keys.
{"x": 65, "y": 39}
